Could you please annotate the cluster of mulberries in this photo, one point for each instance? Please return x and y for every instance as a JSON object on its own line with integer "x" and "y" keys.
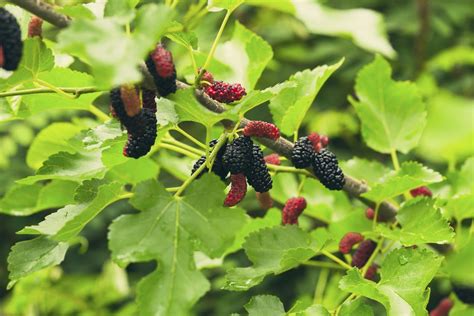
{"x": 363, "y": 253}
{"x": 421, "y": 191}
{"x": 348, "y": 241}
{"x": 261, "y": 129}
{"x": 218, "y": 167}
{"x": 35, "y": 27}
{"x": 11, "y": 46}
{"x": 292, "y": 210}
{"x": 443, "y": 308}
{"x": 161, "y": 67}
{"x": 139, "y": 121}
{"x": 310, "y": 151}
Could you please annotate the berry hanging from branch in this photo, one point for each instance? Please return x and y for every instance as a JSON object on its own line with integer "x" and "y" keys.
{"x": 161, "y": 67}
{"x": 237, "y": 191}
{"x": 293, "y": 208}
{"x": 11, "y": 46}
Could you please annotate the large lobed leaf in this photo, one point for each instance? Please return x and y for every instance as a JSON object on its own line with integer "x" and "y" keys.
{"x": 392, "y": 113}
{"x": 169, "y": 229}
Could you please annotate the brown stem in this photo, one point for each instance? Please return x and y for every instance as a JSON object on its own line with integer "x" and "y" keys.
{"x": 281, "y": 146}
{"x": 423, "y": 9}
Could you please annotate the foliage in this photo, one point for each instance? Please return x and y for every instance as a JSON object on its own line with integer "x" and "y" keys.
{"x": 88, "y": 231}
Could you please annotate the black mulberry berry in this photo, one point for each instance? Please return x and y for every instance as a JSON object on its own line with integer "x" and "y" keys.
{"x": 238, "y": 154}
{"x": 302, "y": 154}
{"x": 218, "y": 167}
{"x": 257, "y": 173}
{"x": 11, "y": 46}
{"x": 465, "y": 293}
{"x": 161, "y": 67}
{"x": 326, "y": 168}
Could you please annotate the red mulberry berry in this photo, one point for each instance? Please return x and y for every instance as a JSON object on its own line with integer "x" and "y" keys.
{"x": 161, "y": 67}
{"x": 237, "y": 191}
{"x": 272, "y": 159}
{"x": 302, "y": 154}
{"x": 131, "y": 100}
{"x": 218, "y": 167}
{"x": 371, "y": 272}
{"x": 348, "y": 241}
{"x": 326, "y": 168}
{"x": 292, "y": 210}
{"x": 207, "y": 78}
{"x": 148, "y": 97}
{"x": 257, "y": 173}
{"x": 443, "y": 308}
{"x": 421, "y": 191}
{"x": 261, "y": 129}
{"x": 370, "y": 213}
{"x": 465, "y": 293}
{"x": 35, "y": 27}
{"x": 363, "y": 253}
{"x": 265, "y": 200}
{"x": 324, "y": 140}
{"x": 225, "y": 92}
{"x": 10, "y": 41}
{"x": 237, "y": 155}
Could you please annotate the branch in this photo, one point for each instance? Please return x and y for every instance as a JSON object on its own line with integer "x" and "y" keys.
{"x": 283, "y": 147}
{"x": 44, "y": 11}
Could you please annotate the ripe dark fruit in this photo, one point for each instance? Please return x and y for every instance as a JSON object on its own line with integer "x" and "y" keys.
{"x": 363, "y": 253}
{"x": 302, "y": 153}
{"x": 35, "y": 27}
{"x": 262, "y": 129}
{"x": 257, "y": 173}
{"x": 218, "y": 167}
{"x": 465, "y": 293}
{"x": 237, "y": 155}
{"x": 421, "y": 191}
{"x": 161, "y": 67}
{"x": 443, "y": 308}
{"x": 10, "y": 41}
{"x": 326, "y": 168}
{"x": 225, "y": 92}
{"x": 148, "y": 99}
{"x": 237, "y": 191}
{"x": 348, "y": 241}
{"x": 272, "y": 159}
{"x": 371, "y": 272}
{"x": 292, "y": 210}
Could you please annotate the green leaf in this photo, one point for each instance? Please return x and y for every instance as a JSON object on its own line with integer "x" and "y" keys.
{"x": 461, "y": 207}
{"x": 369, "y": 171}
{"x": 37, "y": 57}
{"x": 365, "y": 27}
{"x": 186, "y": 39}
{"x": 112, "y": 54}
{"x": 218, "y": 5}
{"x": 24, "y": 200}
{"x": 411, "y": 175}
{"x": 68, "y": 222}
{"x": 77, "y": 11}
{"x": 198, "y": 221}
{"x": 120, "y": 9}
{"x": 459, "y": 264}
{"x": 29, "y": 256}
{"x": 165, "y": 112}
{"x": 265, "y": 305}
{"x": 281, "y": 5}
{"x": 297, "y": 94}
{"x": 405, "y": 274}
{"x": 189, "y": 109}
{"x": 65, "y": 166}
{"x": 51, "y": 140}
{"x": 143, "y": 169}
{"x": 392, "y": 113}
{"x": 252, "y": 100}
{"x": 272, "y": 250}
{"x": 249, "y": 54}
{"x": 357, "y": 307}
{"x": 421, "y": 222}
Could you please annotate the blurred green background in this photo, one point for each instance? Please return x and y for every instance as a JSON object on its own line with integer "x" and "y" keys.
{"x": 432, "y": 44}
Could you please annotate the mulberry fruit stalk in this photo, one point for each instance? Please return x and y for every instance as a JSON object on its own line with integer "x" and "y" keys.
{"x": 363, "y": 253}
{"x": 218, "y": 167}
{"x": 443, "y": 307}
{"x": 11, "y": 46}
{"x": 161, "y": 67}
{"x": 292, "y": 210}
{"x": 302, "y": 154}
{"x": 257, "y": 173}
{"x": 421, "y": 191}
{"x": 348, "y": 241}
{"x": 261, "y": 129}
{"x": 326, "y": 168}
{"x": 237, "y": 191}
{"x": 225, "y": 92}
